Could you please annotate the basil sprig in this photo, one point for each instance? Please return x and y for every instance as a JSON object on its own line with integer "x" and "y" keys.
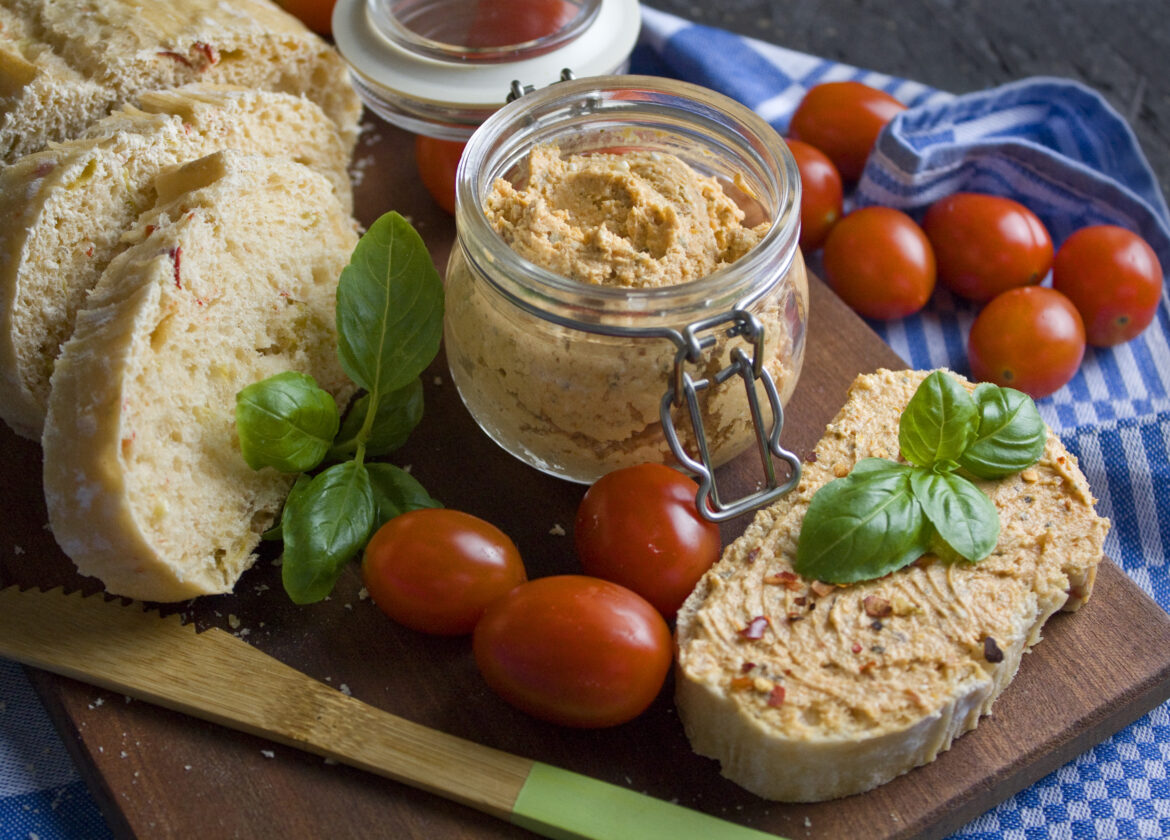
{"x": 389, "y": 323}
{"x": 885, "y": 514}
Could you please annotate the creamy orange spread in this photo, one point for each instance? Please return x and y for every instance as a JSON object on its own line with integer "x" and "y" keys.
{"x": 637, "y": 219}
{"x": 810, "y": 665}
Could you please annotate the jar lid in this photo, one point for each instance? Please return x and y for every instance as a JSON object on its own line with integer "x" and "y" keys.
{"x": 409, "y": 67}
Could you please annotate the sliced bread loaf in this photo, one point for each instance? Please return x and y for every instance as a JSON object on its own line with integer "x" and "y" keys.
{"x": 805, "y": 691}
{"x": 71, "y": 203}
{"x": 64, "y": 65}
{"x": 230, "y": 279}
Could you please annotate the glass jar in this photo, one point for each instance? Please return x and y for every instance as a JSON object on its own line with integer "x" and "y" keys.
{"x": 578, "y": 379}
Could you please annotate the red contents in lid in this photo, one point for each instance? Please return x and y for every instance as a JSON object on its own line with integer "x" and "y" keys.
{"x": 501, "y": 23}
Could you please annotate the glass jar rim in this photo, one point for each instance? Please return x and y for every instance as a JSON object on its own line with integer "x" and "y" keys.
{"x": 448, "y": 96}
{"x": 586, "y": 306}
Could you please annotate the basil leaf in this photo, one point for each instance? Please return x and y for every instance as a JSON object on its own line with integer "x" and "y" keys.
{"x": 324, "y": 526}
{"x": 1010, "y": 437}
{"x": 396, "y": 491}
{"x": 862, "y": 526}
{"x": 938, "y": 422}
{"x": 389, "y": 307}
{"x": 286, "y": 422}
{"x": 397, "y": 414}
{"x": 962, "y": 514}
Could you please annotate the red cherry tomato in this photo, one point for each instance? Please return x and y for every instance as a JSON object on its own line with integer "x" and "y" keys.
{"x": 315, "y": 14}
{"x": 1030, "y": 338}
{"x": 638, "y": 526}
{"x": 986, "y": 244}
{"x": 843, "y": 120}
{"x": 574, "y": 650}
{"x": 436, "y": 570}
{"x": 437, "y": 162}
{"x": 880, "y": 262}
{"x": 1113, "y": 278}
{"x": 821, "y": 194}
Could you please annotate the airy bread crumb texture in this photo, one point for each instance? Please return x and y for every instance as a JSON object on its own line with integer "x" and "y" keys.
{"x": 230, "y": 279}
{"x": 837, "y": 689}
{"x": 73, "y": 202}
{"x": 64, "y": 65}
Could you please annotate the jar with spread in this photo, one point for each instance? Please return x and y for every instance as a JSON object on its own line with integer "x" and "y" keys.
{"x": 626, "y": 284}
{"x": 439, "y": 68}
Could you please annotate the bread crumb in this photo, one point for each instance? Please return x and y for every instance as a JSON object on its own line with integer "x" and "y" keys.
{"x": 438, "y": 381}
{"x": 18, "y": 550}
{"x": 556, "y": 530}
{"x": 268, "y": 753}
{"x": 233, "y": 621}
{"x": 363, "y": 593}
{"x": 344, "y": 689}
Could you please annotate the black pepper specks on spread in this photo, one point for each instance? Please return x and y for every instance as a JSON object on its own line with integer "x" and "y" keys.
{"x": 991, "y": 651}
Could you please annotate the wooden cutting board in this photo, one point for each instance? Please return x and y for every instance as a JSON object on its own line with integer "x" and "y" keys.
{"x": 157, "y": 773}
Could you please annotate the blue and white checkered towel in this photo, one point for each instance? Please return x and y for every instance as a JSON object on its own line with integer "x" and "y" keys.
{"x": 1059, "y": 148}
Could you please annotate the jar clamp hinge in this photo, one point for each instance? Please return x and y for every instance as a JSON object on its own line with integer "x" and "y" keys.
{"x": 517, "y": 89}
{"x": 684, "y": 389}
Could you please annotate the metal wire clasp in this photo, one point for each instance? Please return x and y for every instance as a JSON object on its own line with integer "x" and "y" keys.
{"x": 517, "y": 89}
{"x": 683, "y": 388}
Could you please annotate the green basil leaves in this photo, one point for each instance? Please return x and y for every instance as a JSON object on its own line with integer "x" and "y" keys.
{"x": 389, "y": 323}
{"x": 886, "y": 514}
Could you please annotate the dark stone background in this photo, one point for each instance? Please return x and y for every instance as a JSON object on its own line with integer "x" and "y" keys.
{"x": 1119, "y": 47}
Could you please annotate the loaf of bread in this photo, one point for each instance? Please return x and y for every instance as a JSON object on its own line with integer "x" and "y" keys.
{"x": 64, "y": 65}
{"x": 232, "y": 277}
{"x": 805, "y": 691}
{"x": 71, "y": 203}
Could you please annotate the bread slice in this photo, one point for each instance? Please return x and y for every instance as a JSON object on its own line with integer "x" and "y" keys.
{"x": 71, "y": 203}
{"x": 230, "y": 279}
{"x": 849, "y": 686}
{"x": 65, "y": 65}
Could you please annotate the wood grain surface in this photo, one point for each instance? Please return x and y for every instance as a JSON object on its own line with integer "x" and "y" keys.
{"x": 157, "y": 773}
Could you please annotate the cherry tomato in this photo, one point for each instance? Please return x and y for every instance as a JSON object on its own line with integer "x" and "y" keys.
{"x": 639, "y": 526}
{"x": 878, "y": 260}
{"x": 574, "y": 650}
{"x": 437, "y": 162}
{"x": 315, "y": 14}
{"x": 1030, "y": 338}
{"x": 986, "y": 244}
{"x": 843, "y": 120}
{"x": 1113, "y": 278}
{"x": 821, "y": 194}
{"x": 436, "y": 570}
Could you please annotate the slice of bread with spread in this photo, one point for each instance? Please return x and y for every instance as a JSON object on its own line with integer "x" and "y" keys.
{"x": 65, "y": 65}
{"x": 806, "y": 691}
{"x": 71, "y": 203}
{"x": 231, "y": 278}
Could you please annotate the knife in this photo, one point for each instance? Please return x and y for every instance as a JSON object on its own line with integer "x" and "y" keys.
{"x": 217, "y": 677}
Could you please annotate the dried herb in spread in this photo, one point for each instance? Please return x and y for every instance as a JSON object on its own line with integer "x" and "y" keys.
{"x": 885, "y": 514}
